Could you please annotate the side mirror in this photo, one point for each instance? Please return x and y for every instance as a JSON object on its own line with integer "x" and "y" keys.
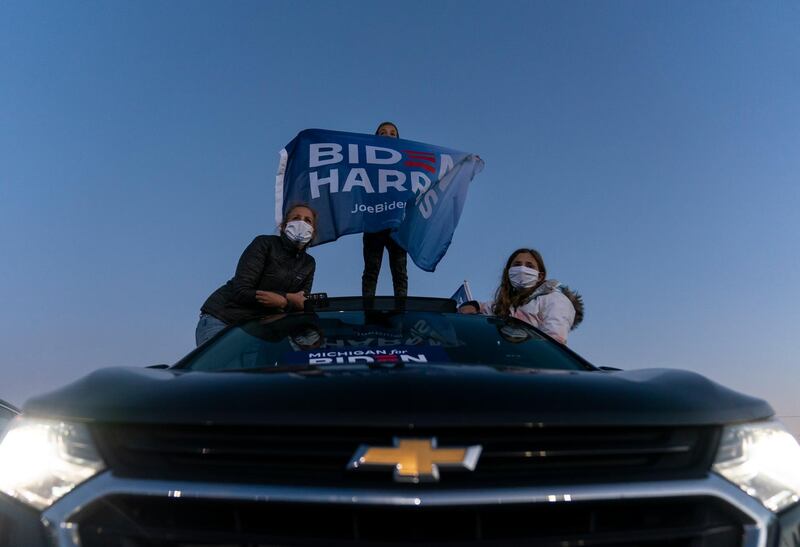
{"x": 158, "y": 366}
{"x": 610, "y": 369}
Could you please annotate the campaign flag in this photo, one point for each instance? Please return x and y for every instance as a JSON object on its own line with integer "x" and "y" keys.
{"x": 429, "y": 225}
{"x": 366, "y": 183}
{"x": 462, "y": 294}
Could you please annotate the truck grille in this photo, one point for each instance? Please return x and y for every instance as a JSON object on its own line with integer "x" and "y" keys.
{"x": 319, "y": 456}
{"x": 131, "y": 521}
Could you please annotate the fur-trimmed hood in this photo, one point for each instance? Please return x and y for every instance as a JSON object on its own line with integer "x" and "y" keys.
{"x": 552, "y": 285}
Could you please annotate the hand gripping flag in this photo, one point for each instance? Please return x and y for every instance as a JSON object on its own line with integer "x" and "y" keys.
{"x": 365, "y": 183}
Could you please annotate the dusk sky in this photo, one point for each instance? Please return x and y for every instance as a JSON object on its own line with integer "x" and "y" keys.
{"x": 650, "y": 151}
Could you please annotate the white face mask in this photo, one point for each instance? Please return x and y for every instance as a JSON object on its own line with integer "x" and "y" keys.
{"x": 308, "y": 340}
{"x": 299, "y": 231}
{"x": 522, "y": 277}
{"x": 515, "y": 334}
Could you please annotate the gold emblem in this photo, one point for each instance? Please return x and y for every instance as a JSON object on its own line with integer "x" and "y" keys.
{"x": 416, "y": 460}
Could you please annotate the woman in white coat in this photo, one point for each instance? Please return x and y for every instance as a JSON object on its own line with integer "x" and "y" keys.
{"x": 527, "y": 294}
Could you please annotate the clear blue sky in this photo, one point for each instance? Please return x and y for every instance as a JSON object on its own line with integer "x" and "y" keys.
{"x": 650, "y": 150}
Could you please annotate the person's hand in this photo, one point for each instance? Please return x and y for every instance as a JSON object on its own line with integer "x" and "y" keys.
{"x": 296, "y": 299}
{"x": 271, "y": 299}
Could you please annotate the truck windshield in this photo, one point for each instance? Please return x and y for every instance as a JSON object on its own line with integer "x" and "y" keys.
{"x": 380, "y": 339}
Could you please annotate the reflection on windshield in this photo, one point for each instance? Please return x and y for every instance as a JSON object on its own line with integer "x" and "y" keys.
{"x": 380, "y": 329}
{"x": 380, "y": 339}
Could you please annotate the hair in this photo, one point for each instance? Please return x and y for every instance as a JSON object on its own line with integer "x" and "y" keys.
{"x": 388, "y": 123}
{"x": 288, "y": 212}
{"x": 507, "y": 296}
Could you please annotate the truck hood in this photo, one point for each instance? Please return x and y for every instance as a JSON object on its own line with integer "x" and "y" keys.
{"x": 420, "y": 395}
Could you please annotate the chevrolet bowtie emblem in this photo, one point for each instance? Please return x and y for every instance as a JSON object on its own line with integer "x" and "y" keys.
{"x": 416, "y": 460}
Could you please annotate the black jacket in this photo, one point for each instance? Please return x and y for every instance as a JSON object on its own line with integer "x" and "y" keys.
{"x": 270, "y": 263}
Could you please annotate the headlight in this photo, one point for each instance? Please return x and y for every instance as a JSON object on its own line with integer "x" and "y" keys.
{"x": 40, "y": 460}
{"x": 763, "y": 459}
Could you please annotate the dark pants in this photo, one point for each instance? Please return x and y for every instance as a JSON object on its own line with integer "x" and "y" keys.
{"x": 373, "y": 256}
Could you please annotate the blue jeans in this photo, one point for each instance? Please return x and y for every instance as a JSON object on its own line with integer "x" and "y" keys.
{"x": 207, "y": 327}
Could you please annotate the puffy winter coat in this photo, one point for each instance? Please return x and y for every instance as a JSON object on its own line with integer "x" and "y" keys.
{"x": 552, "y": 308}
{"x": 269, "y": 263}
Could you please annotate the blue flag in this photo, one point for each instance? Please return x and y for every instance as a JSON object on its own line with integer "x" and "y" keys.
{"x": 366, "y": 183}
{"x": 462, "y": 294}
{"x": 427, "y": 230}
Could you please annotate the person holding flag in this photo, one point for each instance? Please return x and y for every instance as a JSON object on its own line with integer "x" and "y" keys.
{"x": 375, "y": 242}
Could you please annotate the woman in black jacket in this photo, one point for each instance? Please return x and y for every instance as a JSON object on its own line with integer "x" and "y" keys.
{"x": 273, "y": 275}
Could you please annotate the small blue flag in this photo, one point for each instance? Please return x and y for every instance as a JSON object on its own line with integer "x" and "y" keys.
{"x": 462, "y": 294}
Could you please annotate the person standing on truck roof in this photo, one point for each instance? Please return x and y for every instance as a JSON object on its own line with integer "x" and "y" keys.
{"x": 374, "y": 243}
{"x": 274, "y": 275}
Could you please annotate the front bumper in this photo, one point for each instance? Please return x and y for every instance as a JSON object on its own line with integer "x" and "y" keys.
{"x": 58, "y": 526}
